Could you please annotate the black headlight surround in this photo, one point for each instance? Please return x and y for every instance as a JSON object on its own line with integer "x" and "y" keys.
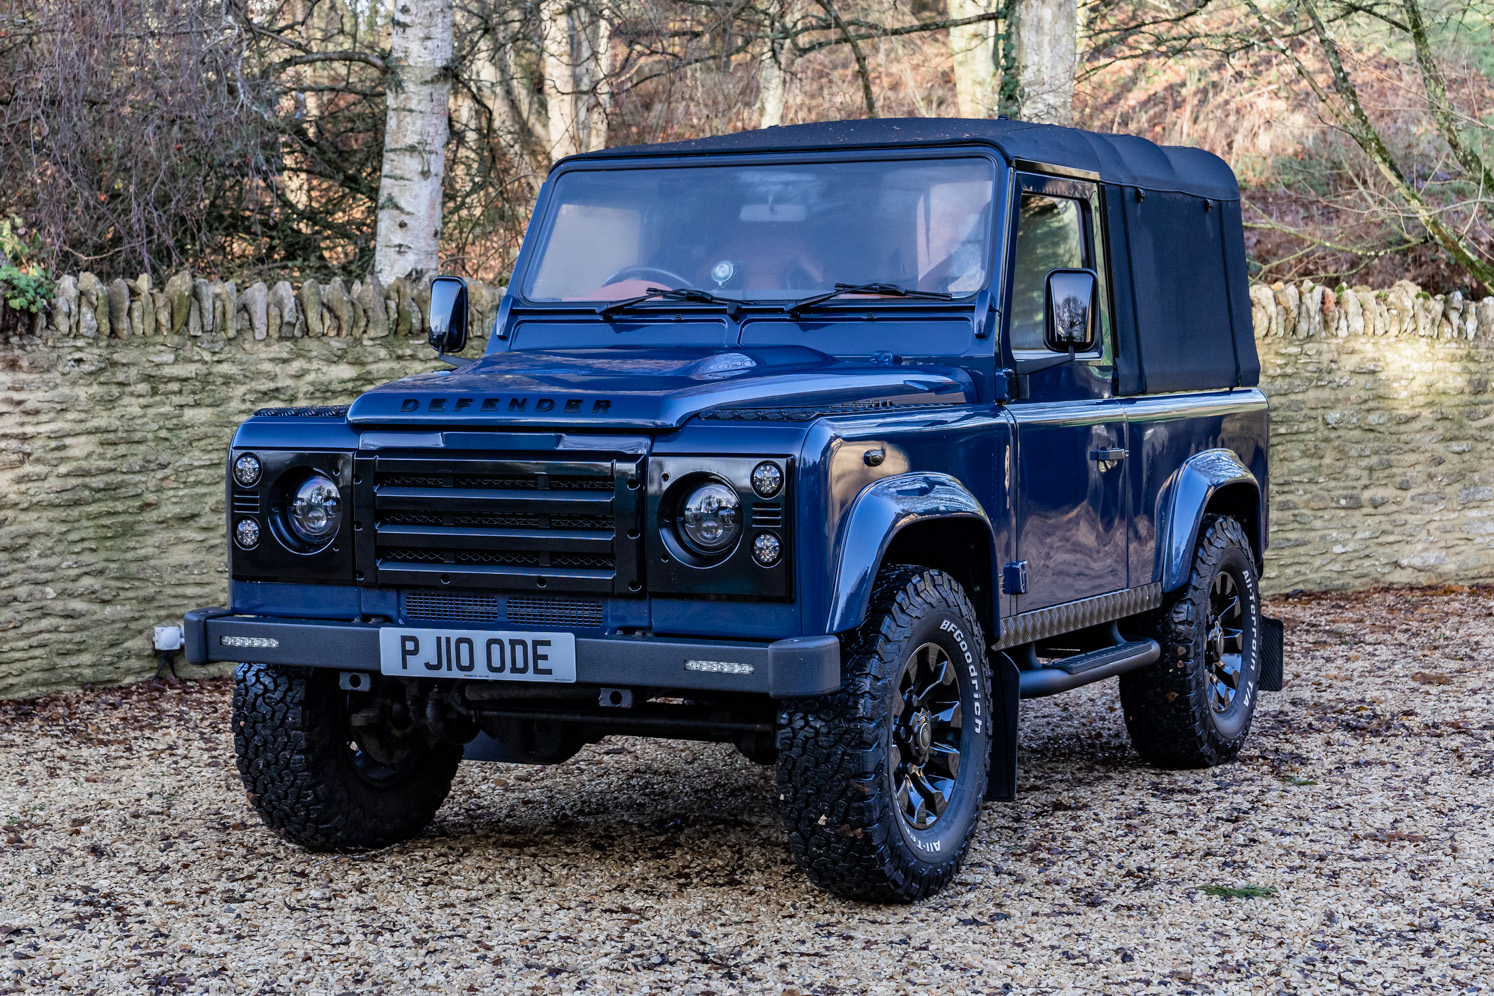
{"x": 675, "y": 568}
{"x": 280, "y": 555}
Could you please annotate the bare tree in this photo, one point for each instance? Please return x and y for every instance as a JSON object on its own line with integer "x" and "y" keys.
{"x": 1045, "y": 39}
{"x": 577, "y": 40}
{"x": 415, "y": 134}
{"x": 975, "y": 51}
{"x": 1340, "y": 98}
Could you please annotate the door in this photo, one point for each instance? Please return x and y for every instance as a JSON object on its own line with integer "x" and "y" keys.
{"x": 1072, "y": 441}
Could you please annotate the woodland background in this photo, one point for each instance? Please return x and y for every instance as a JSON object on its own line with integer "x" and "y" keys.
{"x": 264, "y": 139}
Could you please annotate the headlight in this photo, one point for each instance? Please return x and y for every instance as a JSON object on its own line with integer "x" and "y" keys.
{"x": 316, "y": 510}
{"x": 246, "y": 470}
{"x": 711, "y": 518}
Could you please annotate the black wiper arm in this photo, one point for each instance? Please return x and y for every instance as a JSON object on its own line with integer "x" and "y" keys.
{"x": 885, "y": 290}
{"x": 733, "y": 308}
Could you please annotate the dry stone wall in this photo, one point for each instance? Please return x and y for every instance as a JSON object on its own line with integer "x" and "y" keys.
{"x": 117, "y": 407}
{"x": 1380, "y": 426}
{"x": 115, "y": 416}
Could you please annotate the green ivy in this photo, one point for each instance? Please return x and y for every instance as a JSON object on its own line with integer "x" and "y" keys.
{"x": 24, "y": 285}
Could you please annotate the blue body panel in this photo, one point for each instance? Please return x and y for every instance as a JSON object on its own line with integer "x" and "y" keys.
{"x": 1093, "y": 493}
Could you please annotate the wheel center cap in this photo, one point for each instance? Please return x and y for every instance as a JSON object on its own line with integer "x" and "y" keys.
{"x": 923, "y": 732}
{"x": 1216, "y": 640}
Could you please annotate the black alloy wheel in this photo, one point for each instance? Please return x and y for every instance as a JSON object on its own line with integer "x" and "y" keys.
{"x": 926, "y": 736}
{"x": 1193, "y": 707}
{"x": 881, "y": 782}
{"x": 380, "y": 754}
{"x": 1224, "y": 642}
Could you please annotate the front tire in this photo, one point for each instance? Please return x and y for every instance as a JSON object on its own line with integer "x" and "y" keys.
{"x": 880, "y": 783}
{"x": 318, "y": 777}
{"x": 1193, "y": 707}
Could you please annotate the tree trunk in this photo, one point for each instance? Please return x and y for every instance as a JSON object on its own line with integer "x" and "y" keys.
{"x": 772, "y": 83}
{"x": 415, "y": 133}
{"x": 1046, "y": 42}
{"x": 577, "y": 41}
{"x": 973, "y": 50}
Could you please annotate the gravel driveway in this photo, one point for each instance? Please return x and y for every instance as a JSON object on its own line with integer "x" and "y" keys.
{"x": 1360, "y": 816}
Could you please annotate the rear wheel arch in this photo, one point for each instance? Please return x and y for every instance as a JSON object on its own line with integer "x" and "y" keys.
{"x": 1213, "y": 482}
{"x": 1241, "y": 501}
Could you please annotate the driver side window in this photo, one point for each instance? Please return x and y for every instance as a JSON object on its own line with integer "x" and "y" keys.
{"x": 1050, "y": 236}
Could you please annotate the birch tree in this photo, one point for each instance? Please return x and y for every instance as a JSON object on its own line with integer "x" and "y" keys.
{"x": 1045, "y": 39}
{"x": 418, "y": 90}
{"x": 975, "y": 53}
{"x": 775, "y": 62}
{"x": 577, "y": 40}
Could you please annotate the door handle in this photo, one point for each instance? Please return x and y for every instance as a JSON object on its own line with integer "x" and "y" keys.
{"x": 1107, "y": 454}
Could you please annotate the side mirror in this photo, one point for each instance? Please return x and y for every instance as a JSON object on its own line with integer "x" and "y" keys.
{"x": 1069, "y": 311}
{"x": 447, "y": 328}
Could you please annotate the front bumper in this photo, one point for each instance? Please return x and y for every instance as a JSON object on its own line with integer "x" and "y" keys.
{"x": 800, "y": 666}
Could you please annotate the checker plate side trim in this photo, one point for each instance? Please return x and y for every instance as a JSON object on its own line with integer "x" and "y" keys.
{"x": 1055, "y": 620}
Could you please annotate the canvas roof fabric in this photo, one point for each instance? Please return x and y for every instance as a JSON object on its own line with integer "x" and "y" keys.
{"x": 1172, "y": 225}
{"x": 1123, "y": 159}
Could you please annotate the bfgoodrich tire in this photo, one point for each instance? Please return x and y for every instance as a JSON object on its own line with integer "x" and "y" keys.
{"x": 311, "y": 780}
{"x": 1193, "y": 707}
{"x": 880, "y": 783}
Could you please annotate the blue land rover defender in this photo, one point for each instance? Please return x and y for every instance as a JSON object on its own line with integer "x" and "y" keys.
{"x": 832, "y": 442}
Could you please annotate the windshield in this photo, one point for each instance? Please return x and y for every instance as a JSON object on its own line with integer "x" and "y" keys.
{"x": 760, "y": 232}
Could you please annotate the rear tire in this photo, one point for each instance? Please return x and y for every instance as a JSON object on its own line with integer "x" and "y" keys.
{"x": 1193, "y": 707}
{"x": 880, "y": 783}
{"x": 309, "y": 777}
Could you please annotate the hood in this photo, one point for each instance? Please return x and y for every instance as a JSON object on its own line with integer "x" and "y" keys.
{"x": 635, "y": 387}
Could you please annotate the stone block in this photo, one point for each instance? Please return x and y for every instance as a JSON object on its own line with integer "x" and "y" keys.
{"x": 179, "y": 294}
{"x": 310, "y": 300}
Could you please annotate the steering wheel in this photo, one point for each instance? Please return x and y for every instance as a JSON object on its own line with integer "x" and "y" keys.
{"x": 667, "y": 278}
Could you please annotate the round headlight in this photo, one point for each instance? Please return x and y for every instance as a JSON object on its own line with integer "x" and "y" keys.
{"x": 246, "y": 533}
{"x": 316, "y": 510}
{"x": 767, "y": 479}
{"x": 246, "y": 469}
{"x": 711, "y": 517}
{"x": 767, "y": 549}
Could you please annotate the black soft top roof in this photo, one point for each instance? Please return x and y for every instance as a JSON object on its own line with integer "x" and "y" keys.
{"x": 1119, "y": 159}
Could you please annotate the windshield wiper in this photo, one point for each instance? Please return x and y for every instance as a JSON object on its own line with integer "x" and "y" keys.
{"x": 733, "y": 308}
{"x": 884, "y": 290}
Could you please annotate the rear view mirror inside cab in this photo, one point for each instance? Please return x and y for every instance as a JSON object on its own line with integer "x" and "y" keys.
{"x": 1069, "y": 310}
{"x": 774, "y": 212}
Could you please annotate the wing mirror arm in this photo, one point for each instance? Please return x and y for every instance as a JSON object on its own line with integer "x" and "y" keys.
{"x": 1068, "y": 318}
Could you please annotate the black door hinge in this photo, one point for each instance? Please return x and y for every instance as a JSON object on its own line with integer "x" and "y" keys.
{"x": 1014, "y": 578}
{"x": 1004, "y": 386}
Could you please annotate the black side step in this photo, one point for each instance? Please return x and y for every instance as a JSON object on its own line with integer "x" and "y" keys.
{"x": 1082, "y": 669}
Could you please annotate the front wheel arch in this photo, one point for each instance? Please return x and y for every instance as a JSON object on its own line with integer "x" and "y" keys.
{"x": 936, "y": 507}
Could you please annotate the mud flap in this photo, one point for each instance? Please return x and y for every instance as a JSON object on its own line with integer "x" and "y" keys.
{"x": 1006, "y": 695}
{"x": 1273, "y": 654}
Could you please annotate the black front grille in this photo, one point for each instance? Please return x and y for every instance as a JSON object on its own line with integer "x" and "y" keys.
{"x": 489, "y": 608}
{"x": 500, "y": 523}
{"x": 573, "y": 613}
{"x": 494, "y": 557}
{"x": 453, "y": 606}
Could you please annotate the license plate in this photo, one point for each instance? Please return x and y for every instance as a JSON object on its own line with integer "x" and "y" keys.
{"x": 477, "y": 654}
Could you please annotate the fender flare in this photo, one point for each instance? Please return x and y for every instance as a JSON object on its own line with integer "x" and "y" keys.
{"x": 879, "y": 512}
{"x": 1184, "y": 500}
